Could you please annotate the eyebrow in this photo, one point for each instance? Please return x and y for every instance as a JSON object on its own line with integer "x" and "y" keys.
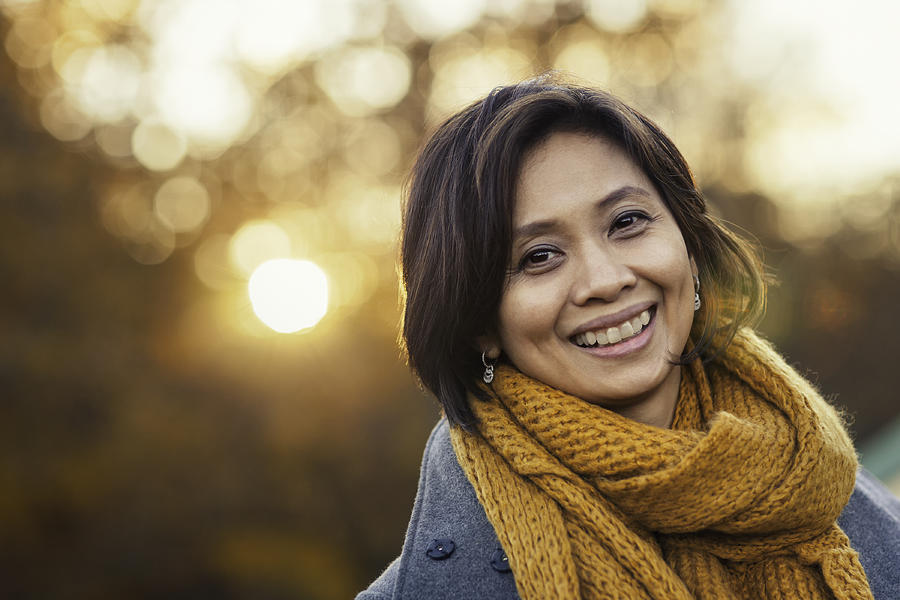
{"x": 539, "y": 227}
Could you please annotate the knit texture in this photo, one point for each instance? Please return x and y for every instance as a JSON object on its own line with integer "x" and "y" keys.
{"x": 737, "y": 500}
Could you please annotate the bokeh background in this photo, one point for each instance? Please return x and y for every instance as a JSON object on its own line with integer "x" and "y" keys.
{"x": 161, "y": 438}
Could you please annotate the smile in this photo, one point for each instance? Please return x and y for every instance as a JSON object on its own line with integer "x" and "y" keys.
{"x": 613, "y": 335}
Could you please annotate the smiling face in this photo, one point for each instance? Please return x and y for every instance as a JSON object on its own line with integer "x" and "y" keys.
{"x": 600, "y": 293}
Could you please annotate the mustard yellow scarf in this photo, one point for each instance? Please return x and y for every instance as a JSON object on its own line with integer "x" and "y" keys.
{"x": 737, "y": 500}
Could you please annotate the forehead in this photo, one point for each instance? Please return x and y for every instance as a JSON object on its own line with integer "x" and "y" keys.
{"x": 568, "y": 169}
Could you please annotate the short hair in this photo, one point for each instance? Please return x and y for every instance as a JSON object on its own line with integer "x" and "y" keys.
{"x": 457, "y": 229}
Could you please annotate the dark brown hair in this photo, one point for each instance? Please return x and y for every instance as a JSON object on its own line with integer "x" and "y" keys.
{"x": 457, "y": 228}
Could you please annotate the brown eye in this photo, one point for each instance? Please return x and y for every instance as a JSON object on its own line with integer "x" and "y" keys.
{"x": 539, "y": 259}
{"x": 630, "y": 220}
{"x": 539, "y": 256}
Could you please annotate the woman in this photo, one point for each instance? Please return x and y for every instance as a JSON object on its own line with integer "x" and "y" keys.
{"x": 613, "y": 428}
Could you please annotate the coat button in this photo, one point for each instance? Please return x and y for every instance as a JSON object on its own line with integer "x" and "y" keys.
{"x": 500, "y": 562}
{"x": 439, "y": 549}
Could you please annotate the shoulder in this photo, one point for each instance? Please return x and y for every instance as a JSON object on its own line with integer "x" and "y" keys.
{"x": 383, "y": 587}
{"x": 451, "y": 550}
{"x": 872, "y": 522}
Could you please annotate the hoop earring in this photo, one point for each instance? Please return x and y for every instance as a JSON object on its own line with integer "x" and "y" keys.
{"x": 696, "y": 293}
{"x": 488, "y": 376}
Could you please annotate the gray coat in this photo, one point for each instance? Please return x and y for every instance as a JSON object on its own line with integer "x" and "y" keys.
{"x": 451, "y": 550}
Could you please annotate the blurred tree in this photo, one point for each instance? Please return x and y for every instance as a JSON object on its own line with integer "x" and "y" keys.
{"x": 155, "y": 439}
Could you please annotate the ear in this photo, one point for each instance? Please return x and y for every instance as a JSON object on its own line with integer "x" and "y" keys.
{"x": 694, "y": 270}
{"x": 489, "y": 344}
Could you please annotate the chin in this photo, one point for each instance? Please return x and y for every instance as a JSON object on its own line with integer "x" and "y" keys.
{"x": 623, "y": 395}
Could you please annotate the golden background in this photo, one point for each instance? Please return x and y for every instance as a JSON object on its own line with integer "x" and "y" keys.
{"x": 159, "y": 440}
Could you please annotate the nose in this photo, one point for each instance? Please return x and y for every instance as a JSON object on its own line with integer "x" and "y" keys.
{"x": 601, "y": 274}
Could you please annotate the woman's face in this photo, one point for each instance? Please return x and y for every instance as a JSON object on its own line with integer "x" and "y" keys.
{"x": 600, "y": 292}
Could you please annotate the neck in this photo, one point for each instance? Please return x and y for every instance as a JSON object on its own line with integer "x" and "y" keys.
{"x": 657, "y": 408}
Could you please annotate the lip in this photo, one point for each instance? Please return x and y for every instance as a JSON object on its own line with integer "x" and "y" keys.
{"x": 632, "y": 344}
{"x": 617, "y": 318}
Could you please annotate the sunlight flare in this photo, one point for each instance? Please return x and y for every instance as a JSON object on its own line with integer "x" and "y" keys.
{"x": 289, "y": 295}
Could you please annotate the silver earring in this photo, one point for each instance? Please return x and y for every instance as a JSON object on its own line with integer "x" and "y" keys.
{"x": 696, "y": 293}
{"x": 488, "y": 376}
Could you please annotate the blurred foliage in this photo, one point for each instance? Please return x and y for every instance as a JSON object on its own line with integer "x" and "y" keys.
{"x": 157, "y": 439}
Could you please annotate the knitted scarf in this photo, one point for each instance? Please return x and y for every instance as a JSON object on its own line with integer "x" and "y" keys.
{"x": 738, "y": 499}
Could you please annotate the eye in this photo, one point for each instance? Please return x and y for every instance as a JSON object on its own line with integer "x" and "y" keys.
{"x": 630, "y": 222}
{"x": 539, "y": 259}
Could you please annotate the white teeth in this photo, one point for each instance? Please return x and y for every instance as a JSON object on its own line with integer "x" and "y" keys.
{"x": 614, "y": 335}
{"x": 636, "y": 324}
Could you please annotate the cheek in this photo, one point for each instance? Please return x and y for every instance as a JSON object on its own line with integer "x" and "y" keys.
{"x": 682, "y": 290}
{"x": 672, "y": 271}
{"x": 676, "y": 262}
{"x": 669, "y": 268}
{"x": 527, "y": 312}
